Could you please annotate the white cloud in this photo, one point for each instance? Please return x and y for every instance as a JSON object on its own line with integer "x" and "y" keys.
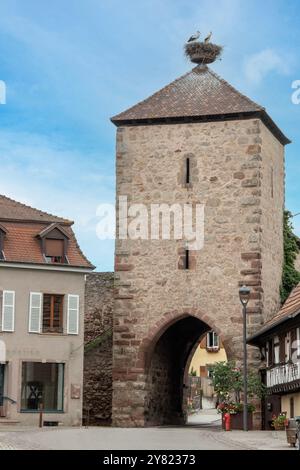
{"x": 59, "y": 180}
{"x": 259, "y": 65}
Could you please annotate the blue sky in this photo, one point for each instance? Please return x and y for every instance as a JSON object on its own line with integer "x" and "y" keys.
{"x": 71, "y": 64}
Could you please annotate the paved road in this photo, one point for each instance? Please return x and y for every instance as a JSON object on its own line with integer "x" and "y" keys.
{"x": 189, "y": 438}
{"x": 203, "y": 432}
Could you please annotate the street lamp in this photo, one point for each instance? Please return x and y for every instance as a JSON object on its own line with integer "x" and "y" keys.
{"x": 244, "y": 293}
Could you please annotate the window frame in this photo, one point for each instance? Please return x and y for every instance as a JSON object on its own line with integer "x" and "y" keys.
{"x": 50, "y": 411}
{"x": 61, "y": 327}
{"x": 212, "y": 347}
{"x": 276, "y": 350}
{"x": 288, "y": 346}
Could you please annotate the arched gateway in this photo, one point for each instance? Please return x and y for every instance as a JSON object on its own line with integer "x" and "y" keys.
{"x": 198, "y": 141}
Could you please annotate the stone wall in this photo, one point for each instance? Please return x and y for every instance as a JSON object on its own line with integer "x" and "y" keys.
{"x": 230, "y": 164}
{"x": 97, "y": 391}
{"x": 272, "y": 190}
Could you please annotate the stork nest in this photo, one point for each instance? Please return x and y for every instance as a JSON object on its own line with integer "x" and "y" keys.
{"x": 201, "y": 52}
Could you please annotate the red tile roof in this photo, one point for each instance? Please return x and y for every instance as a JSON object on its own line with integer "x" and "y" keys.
{"x": 289, "y": 310}
{"x": 23, "y": 225}
{"x": 198, "y": 93}
{"x": 14, "y": 210}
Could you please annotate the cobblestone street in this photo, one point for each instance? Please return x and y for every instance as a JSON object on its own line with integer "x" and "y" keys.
{"x": 194, "y": 437}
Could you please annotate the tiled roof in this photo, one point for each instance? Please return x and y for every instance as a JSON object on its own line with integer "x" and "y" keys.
{"x": 22, "y": 245}
{"x": 199, "y": 93}
{"x": 290, "y": 309}
{"x": 14, "y": 210}
{"x": 23, "y": 226}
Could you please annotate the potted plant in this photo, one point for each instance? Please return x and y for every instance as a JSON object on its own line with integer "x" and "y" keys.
{"x": 279, "y": 422}
{"x": 227, "y": 380}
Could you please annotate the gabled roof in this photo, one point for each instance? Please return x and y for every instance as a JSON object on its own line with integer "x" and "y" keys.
{"x": 24, "y": 226}
{"x": 14, "y": 210}
{"x": 200, "y": 93}
{"x": 22, "y": 245}
{"x": 52, "y": 227}
{"x": 289, "y": 310}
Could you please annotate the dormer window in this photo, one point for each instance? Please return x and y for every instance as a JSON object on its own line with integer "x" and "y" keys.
{"x": 54, "y": 250}
{"x": 2, "y": 236}
{"x": 54, "y": 243}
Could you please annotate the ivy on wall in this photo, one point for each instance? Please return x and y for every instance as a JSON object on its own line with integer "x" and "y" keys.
{"x": 290, "y": 275}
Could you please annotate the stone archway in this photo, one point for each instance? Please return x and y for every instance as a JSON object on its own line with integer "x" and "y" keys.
{"x": 166, "y": 358}
{"x": 150, "y": 390}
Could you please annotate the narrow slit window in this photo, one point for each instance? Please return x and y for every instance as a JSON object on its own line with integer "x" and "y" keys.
{"x": 187, "y": 260}
{"x": 187, "y": 171}
{"x": 272, "y": 183}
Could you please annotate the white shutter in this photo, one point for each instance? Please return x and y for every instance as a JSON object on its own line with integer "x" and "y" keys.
{"x": 35, "y": 312}
{"x": 298, "y": 342}
{"x": 8, "y": 310}
{"x": 73, "y": 315}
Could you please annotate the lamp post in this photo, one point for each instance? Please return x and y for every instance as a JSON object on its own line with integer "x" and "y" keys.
{"x": 244, "y": 293}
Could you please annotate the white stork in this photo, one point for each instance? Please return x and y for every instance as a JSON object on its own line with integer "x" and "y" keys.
{"x": 194, "y": 37}
{"x": 208, "y": 38}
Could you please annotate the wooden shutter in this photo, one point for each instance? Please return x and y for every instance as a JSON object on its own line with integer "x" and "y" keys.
{"x": 35, "y": 312}
{"x": 73, "y": 315}
{"x": 54, "y": 247}
{"x": 8, "y": 310}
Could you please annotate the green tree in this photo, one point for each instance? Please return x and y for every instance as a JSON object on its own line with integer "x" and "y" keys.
{"x": 227, "y": 381}
{"x": 290, "y": 275}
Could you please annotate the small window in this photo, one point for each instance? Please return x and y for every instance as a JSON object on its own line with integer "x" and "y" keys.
{"x": 287, "y": 346}
{"x": 212, "y": 341}
{"x": 42, "y": 385}
{"x": 187, "y": 260}
{"x": 52, "y": 313}
{"x": 187, "y": 171}
{"x": 272, "y": 182}
{"x": 276, "y": 350}
{"x": 54, "y": 250}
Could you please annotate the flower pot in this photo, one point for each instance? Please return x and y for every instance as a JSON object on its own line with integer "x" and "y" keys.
{"x": 279, "y": 426}
{"x": 237, "y": 421}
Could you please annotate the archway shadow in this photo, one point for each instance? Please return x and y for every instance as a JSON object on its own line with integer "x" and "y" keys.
{"x": 166, "y": 384}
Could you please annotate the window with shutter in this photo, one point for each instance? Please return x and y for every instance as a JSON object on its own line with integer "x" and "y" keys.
{"x": 73, "y": 315}
{"x": 8, "y": 311}
{"x": 276, "y": 350}
{"x": 35, "y": 310}
{"x": 54, "y": 250}
{"x": 52, "y": 313}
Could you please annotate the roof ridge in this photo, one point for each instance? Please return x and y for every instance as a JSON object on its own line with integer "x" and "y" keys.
{"x": 218, "y": 77}
{"x": 38, "y": 211}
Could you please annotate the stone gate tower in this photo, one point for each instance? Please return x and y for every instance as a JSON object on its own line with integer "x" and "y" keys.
{"x": 198, "y": 140}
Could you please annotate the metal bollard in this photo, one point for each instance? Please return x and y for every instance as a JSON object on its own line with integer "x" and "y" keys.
{"x": 41, "y": 415}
